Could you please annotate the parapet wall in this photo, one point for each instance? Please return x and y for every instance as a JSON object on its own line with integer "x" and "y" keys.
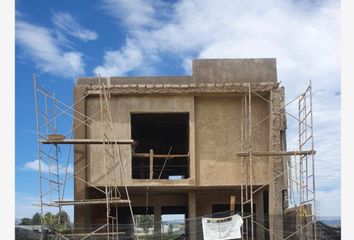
{"x": 234, "y": 70}
{"x": 205, "y": 71}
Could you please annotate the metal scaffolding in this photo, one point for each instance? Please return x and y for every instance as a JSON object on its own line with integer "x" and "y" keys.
{"x": 294, "y": 170}
{"x": 54, "y": 170}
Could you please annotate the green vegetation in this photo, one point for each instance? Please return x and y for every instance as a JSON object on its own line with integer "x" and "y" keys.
{"x": 147, "y": 221}
{"x": 26, "y": 221}
{"x": 51, "y": 221}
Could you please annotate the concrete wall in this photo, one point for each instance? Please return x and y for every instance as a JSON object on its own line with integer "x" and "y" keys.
{"x": 206, "y": 199}
{"x": 214, "y": 139}
{"x": 122, "y": 107}
{"x": 218, "y": 139}
{"x": 234, "y": 70}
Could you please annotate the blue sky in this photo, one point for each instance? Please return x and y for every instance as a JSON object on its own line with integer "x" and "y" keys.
{"x": 62, "y": 40}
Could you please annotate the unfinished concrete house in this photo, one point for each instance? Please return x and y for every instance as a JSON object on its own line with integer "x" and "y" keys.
{"x": 209, "y": 144}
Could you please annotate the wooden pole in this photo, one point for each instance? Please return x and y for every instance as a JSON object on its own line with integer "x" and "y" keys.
{"x": 151, "y": 164}
{"x": 232, "y": 203}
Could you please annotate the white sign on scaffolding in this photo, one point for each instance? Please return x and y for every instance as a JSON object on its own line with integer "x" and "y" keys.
{"x": 222, "y": 228}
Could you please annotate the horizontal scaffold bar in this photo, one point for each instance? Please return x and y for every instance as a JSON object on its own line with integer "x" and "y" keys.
{"x": 286, "y": 153}
{"x": 146, "y": 155}
{"x": 91, "y": 234}
{"x": 91, "y": 201}
{"x": 88, "y": 141}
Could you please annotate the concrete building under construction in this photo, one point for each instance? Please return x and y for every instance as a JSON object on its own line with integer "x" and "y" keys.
{"x": 198, "y": 145}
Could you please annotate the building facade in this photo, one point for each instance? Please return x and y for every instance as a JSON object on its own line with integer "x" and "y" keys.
{"x": 189, "y": 135}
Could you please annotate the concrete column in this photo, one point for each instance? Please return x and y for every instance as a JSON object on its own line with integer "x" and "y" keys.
{"x": 192, "y": 212}
{"x": 81, "y": 213}
{"x": 157, "y": 222}
{"x": 259, "y": 214}
{"x": 277, "y": 124}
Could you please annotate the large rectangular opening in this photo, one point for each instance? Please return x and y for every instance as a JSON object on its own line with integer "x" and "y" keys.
{"x": 162, "y": 149}
{"x": 173, "y": 222}
{"x": 144, "y": 222}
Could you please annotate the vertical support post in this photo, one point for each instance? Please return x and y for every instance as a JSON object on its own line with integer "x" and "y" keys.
{"x": 151, "y": 162}
{"x": 103, "y": 110}
{"x": 243, "y": 170}
{"x": 49, "y": 163}
{"x": 258, "y": 197}
{"x": 192, "y": 212}
{"x": 302, "y": 131}
{"x": 250, "y": 156}
{"x": 117, "y": 221}
{"x": 56, "y": 155}
{"x": 157, "y": 222}
{"x": 313, "y": 168}
{"x": 38, "y": 154}
{"x": 232, "y": 203}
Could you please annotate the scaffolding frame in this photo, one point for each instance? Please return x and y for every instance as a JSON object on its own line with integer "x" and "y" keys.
{"x": 298, "y": 165}
{"x": 299, "y": 171}
{"x": 53, "y": 176}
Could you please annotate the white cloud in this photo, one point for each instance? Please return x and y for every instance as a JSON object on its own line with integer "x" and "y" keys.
{"x": 304, "y": 42}
{"x": 34, "y": 165}
{"x": 41, "y": 46}
{"x": 133, "y": 13}
{"x": 121, "y": 61}
{"x": 302, "y": 35}
{"x": 70, "y": 26}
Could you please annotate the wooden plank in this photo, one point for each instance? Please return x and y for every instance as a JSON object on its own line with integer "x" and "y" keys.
{"x": 151, "y": 158}
{"x": 90, "y": 202}
{"x": 232, "y": 203}
{"x": 147, "y": 155}
{"x": 52, "y": 137}
{"x": 170, "y": 166}
{"x": 88, "y": 141}
{"x": 287, "y": 153}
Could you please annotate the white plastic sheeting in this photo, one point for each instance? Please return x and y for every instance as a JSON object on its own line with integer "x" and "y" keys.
{"x": 222, "y": 228}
